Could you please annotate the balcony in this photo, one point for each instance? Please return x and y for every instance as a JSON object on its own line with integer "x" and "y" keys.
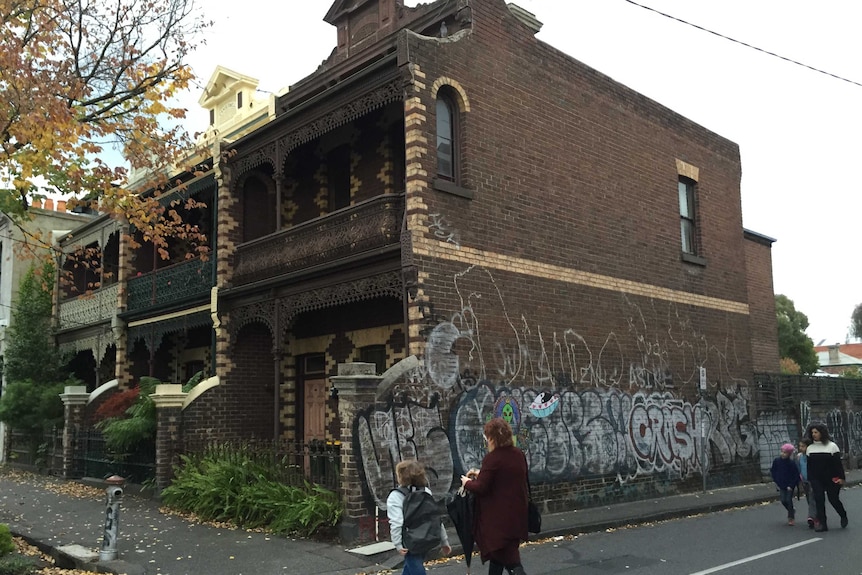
{"x": 370, "y": 225}
{"x": 89, "y": 309}
{"x": 175, "y": 283}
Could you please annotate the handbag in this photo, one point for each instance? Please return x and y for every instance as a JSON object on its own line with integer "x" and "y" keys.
{"x": 534, "y": 517}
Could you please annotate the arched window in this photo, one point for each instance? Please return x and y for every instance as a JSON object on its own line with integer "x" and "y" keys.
{"x": 447, "y": 138}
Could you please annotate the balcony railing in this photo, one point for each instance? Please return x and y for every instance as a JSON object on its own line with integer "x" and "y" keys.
{"x": 369, "y": 225}
{"x": 89, "y": 309}
{"x": 174, "y": 283}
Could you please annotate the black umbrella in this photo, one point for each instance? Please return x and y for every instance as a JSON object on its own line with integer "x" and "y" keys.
{"x": 460, "y": 508}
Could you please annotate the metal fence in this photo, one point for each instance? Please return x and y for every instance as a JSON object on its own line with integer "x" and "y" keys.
{"x": 288, "y": 462}
{"x": 43, "y": 452}
{"x": 94, "y": 459}
{"x": 777, "y": 392}
{"x": 788, "y": 404}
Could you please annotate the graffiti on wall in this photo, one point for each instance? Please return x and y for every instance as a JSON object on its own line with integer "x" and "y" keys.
{"x": 774, "y": 428}
{"x": 402, "y": 431}
{"x": 590, "y": 433}
{"x": 577, "y": 410}
{"x": 845, "y": 426}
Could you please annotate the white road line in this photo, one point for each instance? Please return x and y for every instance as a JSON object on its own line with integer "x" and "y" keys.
{"x": 756, "y": 557}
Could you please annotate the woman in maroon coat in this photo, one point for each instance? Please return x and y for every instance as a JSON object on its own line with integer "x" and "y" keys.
{"x": 500, "y": 487}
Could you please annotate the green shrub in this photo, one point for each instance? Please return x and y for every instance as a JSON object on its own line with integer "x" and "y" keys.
{"x": 123, "y": 433}
{"x": 17, "y": 565}
{"x": 31, "y": 408}
{"x": 6, "y": 544}
{"x": 232, "y": 485}
{"x": 128, "y": 418}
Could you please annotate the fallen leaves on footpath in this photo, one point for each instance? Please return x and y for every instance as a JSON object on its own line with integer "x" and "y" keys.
{"x": 60, "y": 487}
{"x": 45, "y": 564}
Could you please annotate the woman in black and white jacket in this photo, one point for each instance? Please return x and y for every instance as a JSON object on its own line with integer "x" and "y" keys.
{"x": 826, "y": 475}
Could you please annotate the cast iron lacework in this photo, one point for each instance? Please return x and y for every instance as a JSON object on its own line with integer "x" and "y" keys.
{"x": 177, "y": 282}
{"x": 262, "y": 311}
{"x": 385, "y": 284}
{"x": 99, "y": 235}
{"x": 96, "y": 344}
{"x": 194, "y": 187}
{"x": 153, "y": 333}
{"x": 371, "y": 224}
{"x": 89, "y": 309}
{"x": 267, "y": 154}
{"x": 273, "y": 153}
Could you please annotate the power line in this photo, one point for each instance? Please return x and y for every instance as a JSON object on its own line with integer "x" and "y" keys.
{"x": 786, "y": 59}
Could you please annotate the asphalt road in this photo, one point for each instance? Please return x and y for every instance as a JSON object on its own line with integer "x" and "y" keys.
{"x": 735, "y": 542}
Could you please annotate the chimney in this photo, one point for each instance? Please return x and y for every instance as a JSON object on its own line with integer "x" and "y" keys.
{"x": 49, "y": 204}
{"x": 833, "y": 353}
{"x": 61, "y": 205}
{"x": 36, "y": 204}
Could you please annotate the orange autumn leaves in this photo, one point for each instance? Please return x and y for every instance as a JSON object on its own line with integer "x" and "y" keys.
{"x": 88, "y": 87}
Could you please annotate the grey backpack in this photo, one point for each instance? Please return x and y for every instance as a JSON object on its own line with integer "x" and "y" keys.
{"x": 420, "y": 532}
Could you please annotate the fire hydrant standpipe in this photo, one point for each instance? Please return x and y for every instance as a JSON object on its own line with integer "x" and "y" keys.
{"x": 114, "y": 493}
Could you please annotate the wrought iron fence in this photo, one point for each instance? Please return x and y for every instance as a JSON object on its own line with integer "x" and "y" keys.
{"x": 43, "y": 452}
{"x": 788, "y": 392}
{"x": 800, "y": 400}
{"x": 94, "y": 459}
{"x": 288, "y": 462}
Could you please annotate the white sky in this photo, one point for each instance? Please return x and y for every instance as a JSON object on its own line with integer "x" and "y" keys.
{"x": 798, "y": 130}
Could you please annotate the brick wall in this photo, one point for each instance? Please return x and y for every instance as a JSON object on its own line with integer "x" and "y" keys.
{"x": 761, "y": 296}
{"x": 557, "y": 268}
{"x": 242, "y": 406}
{"x": 575, "y": 216}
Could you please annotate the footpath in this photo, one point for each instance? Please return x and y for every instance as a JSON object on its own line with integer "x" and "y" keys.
{"x": 66, "y": 518}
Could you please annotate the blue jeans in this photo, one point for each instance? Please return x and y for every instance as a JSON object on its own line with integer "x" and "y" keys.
{"x": 413, "y": 565}
{"x": 787, "y": 500}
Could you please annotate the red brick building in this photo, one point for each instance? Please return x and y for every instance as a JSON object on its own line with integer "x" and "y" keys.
{"x": 446, "y": 186}
{"x": 506, "y": 232}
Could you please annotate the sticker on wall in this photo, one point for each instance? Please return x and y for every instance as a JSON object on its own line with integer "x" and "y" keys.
{"x": 507, "y": 408}
{"x": 544, "y": 404}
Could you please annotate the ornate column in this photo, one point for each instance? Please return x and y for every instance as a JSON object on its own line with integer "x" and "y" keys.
{"x": 169, "y": 399}
{"x": 357, "y": 389}
{"x": 279, "y": 200}
{"x": 75, "y": 400}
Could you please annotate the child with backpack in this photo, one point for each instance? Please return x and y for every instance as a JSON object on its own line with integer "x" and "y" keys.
{"x": 414, "y": 518}
{"x": 785, "y": 474}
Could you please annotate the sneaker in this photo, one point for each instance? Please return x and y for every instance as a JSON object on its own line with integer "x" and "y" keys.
{"x": 791, "y": 522}
{"x": 810, "y": 523}
{"x": 820, "y": 528}
{"x": 844, "y": 522}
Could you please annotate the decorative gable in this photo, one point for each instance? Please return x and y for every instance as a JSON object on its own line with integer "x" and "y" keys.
{"x": 227, "y": 94}
{"x": 361, "y": 22}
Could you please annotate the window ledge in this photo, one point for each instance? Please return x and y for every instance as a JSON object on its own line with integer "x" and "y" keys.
{"x": 693, "y": 259}
{"x": 452, "y": 188}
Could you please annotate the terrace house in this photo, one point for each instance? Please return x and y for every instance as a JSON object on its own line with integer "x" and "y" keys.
{"x": 493, "y": 229}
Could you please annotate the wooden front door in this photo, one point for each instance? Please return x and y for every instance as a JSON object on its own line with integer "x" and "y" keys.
{"x": 315, "y": 409}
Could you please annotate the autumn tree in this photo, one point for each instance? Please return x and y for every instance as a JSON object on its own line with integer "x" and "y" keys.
{"x": 82, "y": 81}
{"x": 793, "y": 343}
